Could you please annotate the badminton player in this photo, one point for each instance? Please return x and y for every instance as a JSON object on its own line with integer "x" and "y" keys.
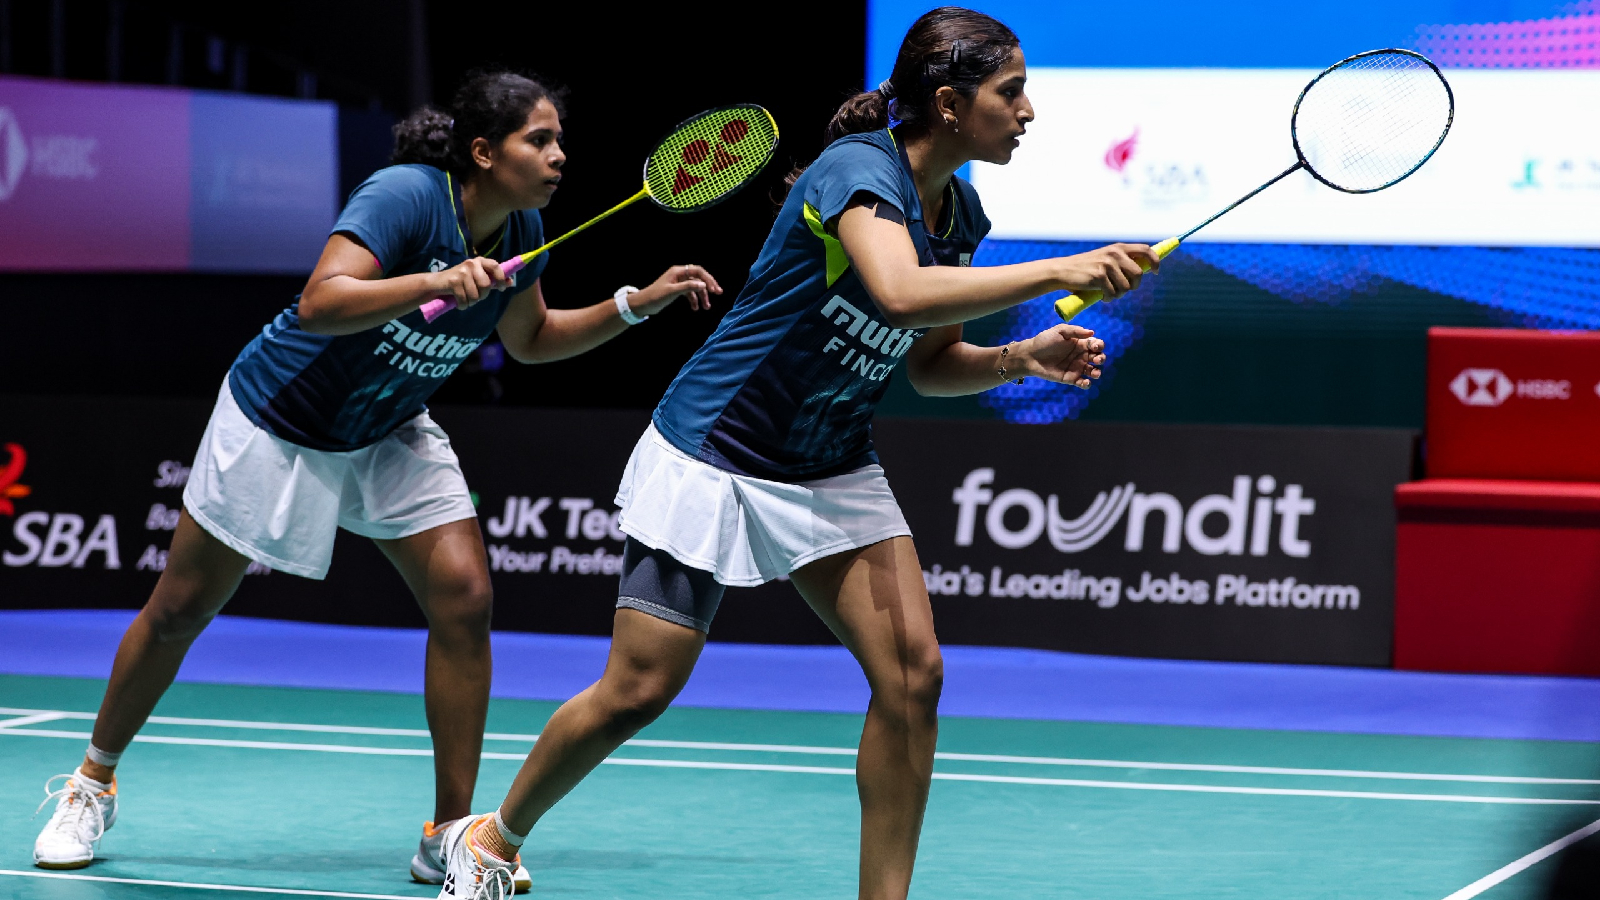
{"x": 320, "y": 425}
{"x": 759, "y": 461}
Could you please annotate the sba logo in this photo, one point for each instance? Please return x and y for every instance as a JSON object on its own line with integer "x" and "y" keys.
{"x": 9, "y": 474}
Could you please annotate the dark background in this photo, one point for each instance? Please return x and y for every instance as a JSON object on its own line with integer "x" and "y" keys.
{"x": 632, "y": 72}
{"x": 1214, "y": 349}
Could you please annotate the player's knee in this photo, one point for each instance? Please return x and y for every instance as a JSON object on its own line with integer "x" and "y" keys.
{"x": 177, "y": 620}
{"x": 925, "y": 680}
{"x": 638, "y": 704}
{"x": 465, "y": 606}
{"x": 911, "y": 692}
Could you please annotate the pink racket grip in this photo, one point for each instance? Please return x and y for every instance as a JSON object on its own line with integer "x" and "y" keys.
{"x": 438, "y": 306}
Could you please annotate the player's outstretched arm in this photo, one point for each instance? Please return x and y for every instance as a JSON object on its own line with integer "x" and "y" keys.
{"x": 347, "y": 292}
{"x": 534, "y": 333}
{"x": 915, "y": 296}
{"x": 941, "y": 364}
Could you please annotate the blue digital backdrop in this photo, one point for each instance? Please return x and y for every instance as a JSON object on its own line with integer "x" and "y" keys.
{"x": 1284, "y": 333}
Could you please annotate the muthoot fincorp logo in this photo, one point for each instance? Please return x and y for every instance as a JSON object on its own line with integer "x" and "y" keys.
{"x": 1017, "y": 518}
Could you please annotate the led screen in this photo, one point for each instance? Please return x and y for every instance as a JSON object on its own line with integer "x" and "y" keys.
{"x": 109, "y": 178}
{"x": 1147, "y": 124}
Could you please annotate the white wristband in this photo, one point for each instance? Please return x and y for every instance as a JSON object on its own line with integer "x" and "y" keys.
{"x": 623, "y": 309}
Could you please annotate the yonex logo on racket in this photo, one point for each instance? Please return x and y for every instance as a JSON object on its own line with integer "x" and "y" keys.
{"x": 697, "y": 152}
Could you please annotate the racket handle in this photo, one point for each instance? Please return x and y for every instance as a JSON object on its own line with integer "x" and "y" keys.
{"x": 438, "y": 306}
{"x": 1072, "y": 304}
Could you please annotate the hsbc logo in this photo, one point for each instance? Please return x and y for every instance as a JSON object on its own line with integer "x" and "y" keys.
{"x": 1491, "y": 387}
{"x": 57, "y": 157}
{"x": 13, "y": 153}
{"x": 1481, "y": 387}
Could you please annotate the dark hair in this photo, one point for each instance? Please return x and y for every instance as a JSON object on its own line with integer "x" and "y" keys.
{"x": 488, "y": 104}
{"x": 949, "y": 46}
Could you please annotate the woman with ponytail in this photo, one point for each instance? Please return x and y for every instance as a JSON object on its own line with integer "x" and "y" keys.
{"x": 759, "y": 461}
{"x": 320, "y": 425}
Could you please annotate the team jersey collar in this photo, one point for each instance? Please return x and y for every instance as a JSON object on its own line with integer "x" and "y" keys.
{"x": 459, "y": 207}
{"x": 948, "y": 214}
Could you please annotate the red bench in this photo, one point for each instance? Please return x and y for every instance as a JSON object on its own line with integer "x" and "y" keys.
{"x": 1498, "y": 576}
{"x": 1497, "y": 564}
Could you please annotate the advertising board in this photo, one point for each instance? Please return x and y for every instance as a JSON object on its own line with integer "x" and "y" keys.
{"x": 1269, "y": 544}
{"x": 117, "y": 178}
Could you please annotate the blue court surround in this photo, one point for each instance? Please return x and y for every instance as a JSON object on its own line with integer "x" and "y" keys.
{"x": 979, "y": 681}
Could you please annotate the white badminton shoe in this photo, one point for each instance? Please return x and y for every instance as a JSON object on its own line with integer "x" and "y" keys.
{"x": 84, "y": 810}
{"x": 428, "y": 866}
{"x": 469, "y": 873}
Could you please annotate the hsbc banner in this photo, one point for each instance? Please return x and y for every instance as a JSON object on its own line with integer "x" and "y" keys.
{"x": 1261, "y": 544}
{"x": 100, "y": 177}
{"x": 1513, "y": 403}
{"x": 1193, "y": 542}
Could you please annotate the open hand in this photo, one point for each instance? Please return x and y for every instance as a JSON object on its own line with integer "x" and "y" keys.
{"x": 1066, "y": 354}
{"x": 691, "y": 281}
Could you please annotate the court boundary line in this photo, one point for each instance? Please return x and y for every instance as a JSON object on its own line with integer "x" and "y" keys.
{"x": 1515, "y": 867}
{"x": 825, "y": 770}
{"x": 833, "y": 751}
{"x": 201, "y": 886}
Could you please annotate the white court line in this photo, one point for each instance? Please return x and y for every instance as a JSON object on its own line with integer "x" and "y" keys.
{"x": 1506, "y": 871}
{"x": 849, "y": 751}
{"x": 147, "y": 882}
{"x": 32, "y": 720}
{"x": 246, "y": 745}
{"x": 823, "y": 770}
{"x": 1262, "y": 770}
{"x": 1271, "y": 792}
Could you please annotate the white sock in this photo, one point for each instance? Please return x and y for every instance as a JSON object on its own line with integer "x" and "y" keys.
{"x": 88, "y": 782}
{"x": 506, "y": 834}
{"x": 102, "y": 758}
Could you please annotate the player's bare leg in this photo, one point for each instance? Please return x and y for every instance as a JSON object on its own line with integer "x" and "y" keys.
{"x": 875, "y": 601}
{"x": 447, "y": 570}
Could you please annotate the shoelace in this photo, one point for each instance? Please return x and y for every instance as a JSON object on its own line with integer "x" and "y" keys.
{"x": 492, "y": 883}
{"x": 79, "y": 801}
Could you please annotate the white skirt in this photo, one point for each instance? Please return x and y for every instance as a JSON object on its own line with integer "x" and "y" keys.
{"x": 281, "y": 504}
{"x": 748, "y": 531}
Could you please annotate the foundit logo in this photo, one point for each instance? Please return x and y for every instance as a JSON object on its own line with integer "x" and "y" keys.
{"x": 13, "y": 153}
{"x": 1254, "y": 516}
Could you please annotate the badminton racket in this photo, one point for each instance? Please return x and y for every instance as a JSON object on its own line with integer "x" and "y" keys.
{"x": 1363, "y": 124}
{"x": 701, "y": 163}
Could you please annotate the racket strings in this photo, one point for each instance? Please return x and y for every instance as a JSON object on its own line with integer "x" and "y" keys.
{"x": 1373, "y": 120}
{"x": 710, "y": 156}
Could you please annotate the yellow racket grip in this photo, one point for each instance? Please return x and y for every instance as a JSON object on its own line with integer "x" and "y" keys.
{"x": 1072, "y": 304}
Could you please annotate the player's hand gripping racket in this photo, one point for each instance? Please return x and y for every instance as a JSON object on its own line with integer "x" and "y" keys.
{"x": 1363, "y": 124}
{"x": 703, "y": 162}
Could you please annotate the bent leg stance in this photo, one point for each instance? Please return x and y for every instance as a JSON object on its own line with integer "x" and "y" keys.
{"x": 653, "y": 651}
